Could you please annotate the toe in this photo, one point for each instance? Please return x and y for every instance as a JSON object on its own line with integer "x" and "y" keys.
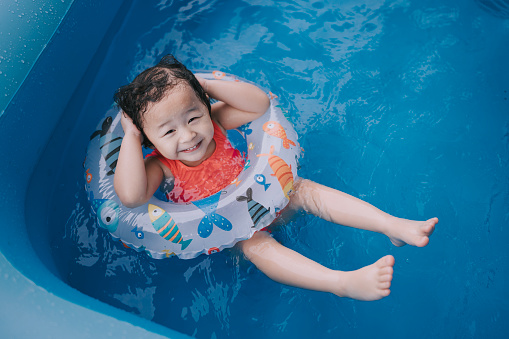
{"x": 389, "y": 260}
{"x": 386, "y": 271}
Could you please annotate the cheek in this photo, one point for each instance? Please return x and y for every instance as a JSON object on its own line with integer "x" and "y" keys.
{"x": 171, "y": 146}
{"x": 207, "y": 130}
{"x": 165, "y": 146}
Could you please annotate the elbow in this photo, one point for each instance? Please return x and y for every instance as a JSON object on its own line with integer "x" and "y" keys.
{"x": 263, "y": 103}
{"x": 266, "y": 103}
{"x": 129, "y": 200}
{"x": 130, "y": 203}
{"x": 259, "y": 100}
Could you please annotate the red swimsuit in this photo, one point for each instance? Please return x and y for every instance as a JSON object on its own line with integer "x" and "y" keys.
{"x": 209, "y": 177}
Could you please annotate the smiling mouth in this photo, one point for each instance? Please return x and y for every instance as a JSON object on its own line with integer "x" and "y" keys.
{"x": 192, "y": 149}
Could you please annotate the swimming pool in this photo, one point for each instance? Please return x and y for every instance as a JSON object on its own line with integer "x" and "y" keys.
{"x": 400, "y": 103}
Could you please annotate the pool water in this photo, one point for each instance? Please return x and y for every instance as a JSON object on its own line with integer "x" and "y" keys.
{"x": 403, "y": 104}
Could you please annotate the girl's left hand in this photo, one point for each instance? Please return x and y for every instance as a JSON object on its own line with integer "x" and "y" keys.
{"x": 203, "y": 83}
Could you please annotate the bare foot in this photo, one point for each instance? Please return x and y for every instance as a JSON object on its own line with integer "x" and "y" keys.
{"x": 415, "y": 233}
{"x": 372, "y": 282}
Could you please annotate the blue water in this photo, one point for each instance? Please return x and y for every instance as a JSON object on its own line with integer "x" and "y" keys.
{"x": 403, "y": 104}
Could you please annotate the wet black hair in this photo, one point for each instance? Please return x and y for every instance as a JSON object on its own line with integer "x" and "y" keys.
{"x": 151, "y": 85}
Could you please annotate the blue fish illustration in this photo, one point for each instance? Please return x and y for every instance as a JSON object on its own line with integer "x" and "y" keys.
{"x": 109, "y": 144}
{"x": 246, "y": 128}
{"x": 138, "y": 232}
{"x": 260, "y": 179}
{"x": 166, "y": 226}
{"x": 107, "y": 213}
{"x": 256, "y": 210}
{"x": 211, "y": 218}
{"x": 238, "y": 141}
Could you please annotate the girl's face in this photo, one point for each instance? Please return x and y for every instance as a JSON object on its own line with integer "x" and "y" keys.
{"x": 180, "y": 128}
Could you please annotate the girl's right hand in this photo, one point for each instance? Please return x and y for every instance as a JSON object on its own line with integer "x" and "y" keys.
{"x": 129, "y": 127}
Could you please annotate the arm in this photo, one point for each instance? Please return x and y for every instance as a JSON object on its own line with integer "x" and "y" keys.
{"x": 135, "y": 179}
{"x": 239, "y": 102}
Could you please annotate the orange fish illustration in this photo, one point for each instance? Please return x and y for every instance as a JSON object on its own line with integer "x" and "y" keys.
{"x": 275, "y": 129}
{"x": 281, "y": 170}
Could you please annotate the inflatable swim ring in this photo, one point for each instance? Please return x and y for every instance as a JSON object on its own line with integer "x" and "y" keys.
{"x": 163, "y": 228}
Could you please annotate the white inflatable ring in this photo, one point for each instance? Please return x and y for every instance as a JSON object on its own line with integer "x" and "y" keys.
{"x": 162, "y": 228}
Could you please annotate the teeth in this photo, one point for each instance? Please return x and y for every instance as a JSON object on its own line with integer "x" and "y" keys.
{"x": 191, "y": 148}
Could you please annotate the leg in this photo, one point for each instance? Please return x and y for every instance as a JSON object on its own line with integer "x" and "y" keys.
{"x": 291, "y": 268}
{"x": 344, "y": 209}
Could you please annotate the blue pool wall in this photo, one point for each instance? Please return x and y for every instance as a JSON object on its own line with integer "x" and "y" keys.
{"x": 30, "y": 288}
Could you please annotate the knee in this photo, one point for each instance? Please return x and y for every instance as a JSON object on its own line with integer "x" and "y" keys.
{"x": 255, "y": 245}
{"x": 302, "y": 185}
{"x": 300, "y": 190}
{"x": 304, "y": 197}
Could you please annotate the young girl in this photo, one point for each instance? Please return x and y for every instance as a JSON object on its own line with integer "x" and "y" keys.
{"x": 167, "y": 108}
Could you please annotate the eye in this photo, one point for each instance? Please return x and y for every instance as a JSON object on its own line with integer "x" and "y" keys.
{"x": 192, "y": 119}
{"x": 108, "y": 215}
{"x": 156, "y": 212}
{"x": 170, "y": 132}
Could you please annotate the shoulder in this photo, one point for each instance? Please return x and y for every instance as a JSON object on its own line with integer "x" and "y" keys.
{"x": 154, "y": 164}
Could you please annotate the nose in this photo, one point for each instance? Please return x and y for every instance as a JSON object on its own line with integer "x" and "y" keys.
{"x": 186, "y": 134}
